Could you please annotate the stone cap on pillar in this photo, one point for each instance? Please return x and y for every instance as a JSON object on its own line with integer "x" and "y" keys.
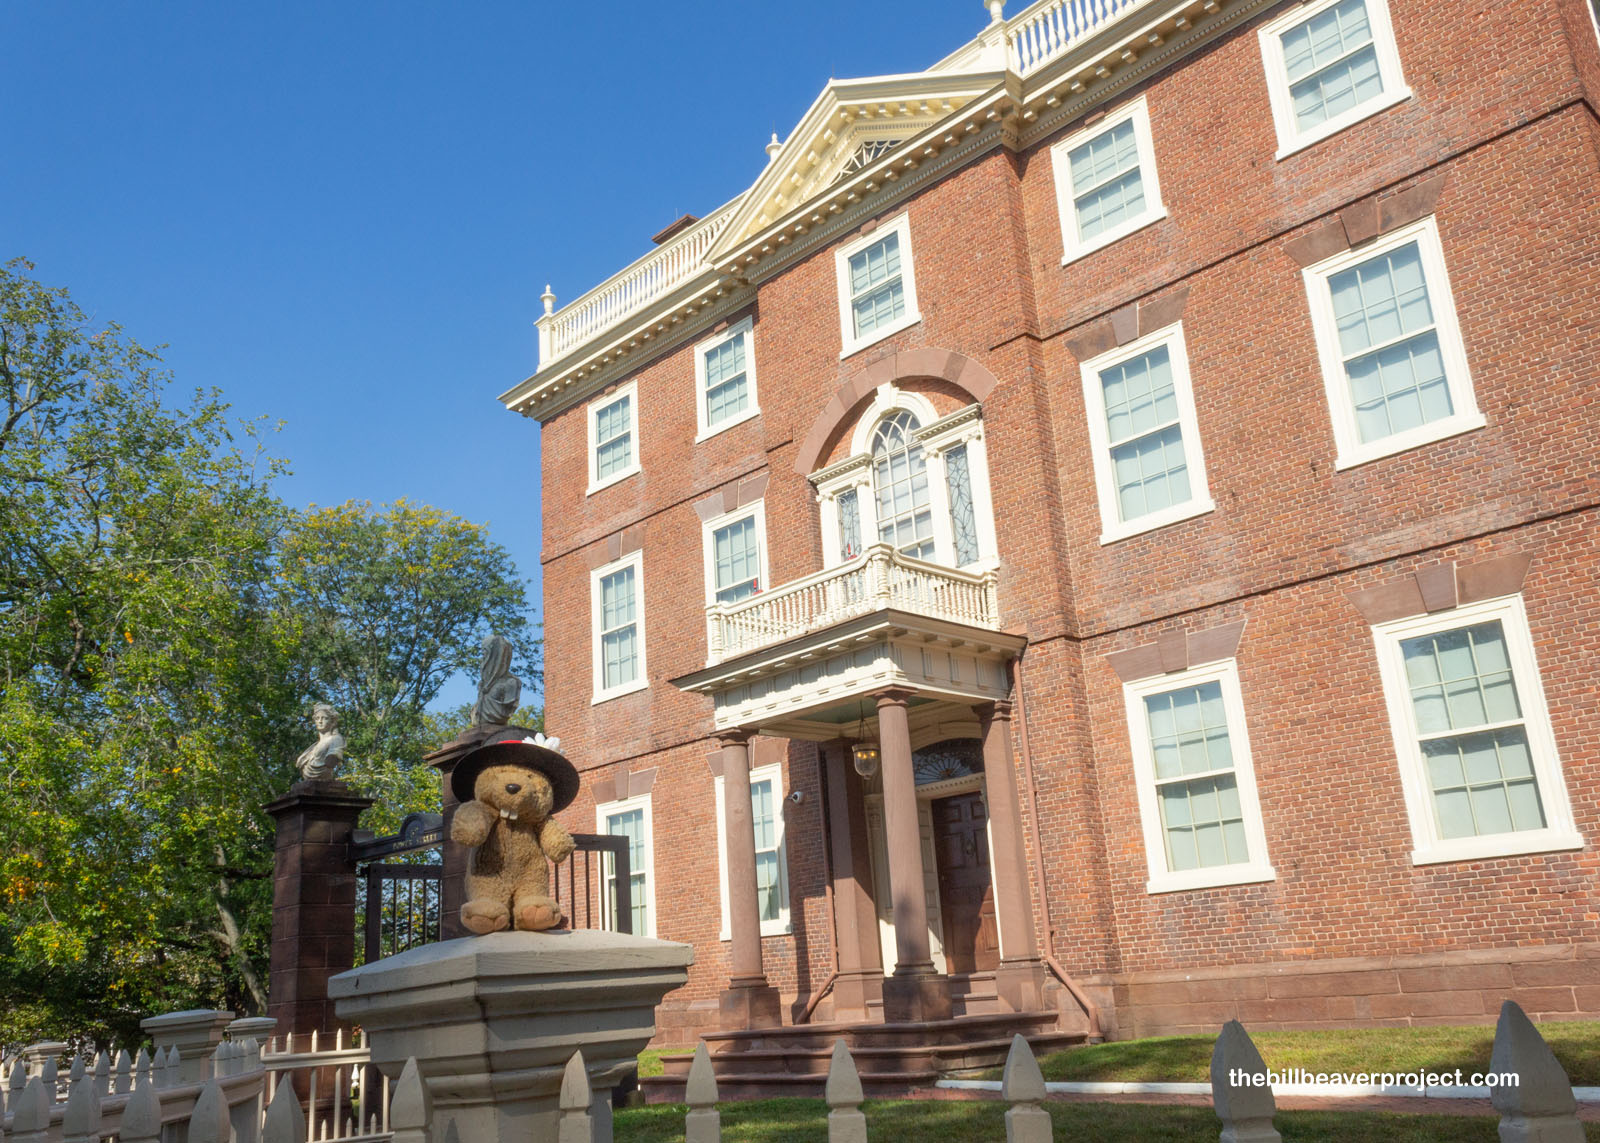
{"x": 323, "y": 795}
{"x": 257, "y": 1028}
{"x": 195, "y": 1032}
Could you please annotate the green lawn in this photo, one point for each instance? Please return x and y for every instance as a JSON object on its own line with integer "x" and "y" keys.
{"x": 950, "y": 1121}
{"x": 1188, "y": 1058}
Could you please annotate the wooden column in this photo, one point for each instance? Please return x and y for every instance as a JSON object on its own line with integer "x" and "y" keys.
{"x": 313, "y": 902}
{"x": 748, "y": 1001}
{"x": 914, "y": 993}
{"x": 858, "y": 992}
{"x": 1020, "y": 978}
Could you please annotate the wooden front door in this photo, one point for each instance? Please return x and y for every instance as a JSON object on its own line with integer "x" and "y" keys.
{"x": 966, "y": 895}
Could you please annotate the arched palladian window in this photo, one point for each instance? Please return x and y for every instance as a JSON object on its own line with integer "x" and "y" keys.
{"x": 915, "y": 481}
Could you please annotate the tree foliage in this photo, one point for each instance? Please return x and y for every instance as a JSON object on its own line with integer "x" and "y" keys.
{"x": 165, "y": 624}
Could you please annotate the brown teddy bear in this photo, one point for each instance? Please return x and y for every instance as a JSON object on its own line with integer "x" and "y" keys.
{"x": 509, "y": 789}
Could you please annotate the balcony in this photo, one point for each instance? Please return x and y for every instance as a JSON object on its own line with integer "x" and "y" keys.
{"x": 881, "y": 579}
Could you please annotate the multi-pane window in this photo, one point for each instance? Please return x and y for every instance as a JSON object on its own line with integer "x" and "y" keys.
{"x": 630, "y": 820}
{"x": 1106, "y": 183}
{"x": 963, "y": 517}
{"x": 613, "y": 451}
{"x": 849, "y": 509}
{"x": 736, "y": 556}
{"x": 900, "y": 484}
{"x": 877, "y": 294}
{"x": 1392, "y": 355}
{"x": 766, "y": 817}
{"x": 1148, "y": 461}
{"x": 1329, "y": 66}
{"x": 1471, "y": 730}
{"x": 726, "y": 376}
{"x": 1202, "y": 820}
{"x": 619, "y": 638}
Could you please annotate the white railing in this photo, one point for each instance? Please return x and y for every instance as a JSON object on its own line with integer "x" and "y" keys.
{"x": 630, "y": 290}
{"x": 347, "y": 1100}
{"x": 1040, "y": 34}
{"x": 880, "y": 578}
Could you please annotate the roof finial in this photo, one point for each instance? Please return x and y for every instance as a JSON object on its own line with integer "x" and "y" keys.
{"x": 773, "y": 147}
{"x": 997, "y": 10}
{"x": 549, "y": 299}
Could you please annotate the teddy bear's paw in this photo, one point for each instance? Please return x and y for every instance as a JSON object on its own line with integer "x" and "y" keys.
{"x": 537, "y": 914}
{"x": 471, "y": 824}
{"x": 485, "y": 916}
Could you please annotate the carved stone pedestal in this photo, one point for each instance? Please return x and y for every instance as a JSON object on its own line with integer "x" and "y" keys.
{"x": 493, "y": 1020}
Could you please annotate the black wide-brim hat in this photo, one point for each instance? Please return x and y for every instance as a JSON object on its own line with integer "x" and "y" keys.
{"x": 514, "y": 746}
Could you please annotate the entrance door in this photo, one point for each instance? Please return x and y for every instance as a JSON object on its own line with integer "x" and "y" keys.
{"x": 966, "y": 895}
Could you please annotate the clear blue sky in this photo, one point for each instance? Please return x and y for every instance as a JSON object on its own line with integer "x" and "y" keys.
{"x": 343, "y": 214}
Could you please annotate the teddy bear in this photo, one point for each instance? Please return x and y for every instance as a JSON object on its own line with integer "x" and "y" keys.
{"x": 509, "y": 789}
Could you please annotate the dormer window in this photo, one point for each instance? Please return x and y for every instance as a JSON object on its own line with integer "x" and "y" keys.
{"x": 917, "y": 482}
{"x": 877, "y": 290}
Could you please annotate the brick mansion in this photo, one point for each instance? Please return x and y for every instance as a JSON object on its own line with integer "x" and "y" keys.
{"x": 1108, "y": 527}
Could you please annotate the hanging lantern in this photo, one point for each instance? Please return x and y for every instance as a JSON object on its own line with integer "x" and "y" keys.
{"x": 865, "y": 756}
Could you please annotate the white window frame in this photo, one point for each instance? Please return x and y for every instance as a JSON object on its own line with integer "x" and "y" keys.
{"x": 746, "y": 328}
{"x": 1429, "y": 848}
{"x": 1074, "y": 247}
{"x": 1290, "y": 137}
{"x": 1161, "y": 879}
{"x": 900, "y": 225}
{"x": 708, "y": 531}
{"x": 1594, "y": 18}
{"x": 596, "y": 407}
{"x": 781, "y": 925}
{"x": 636, "y": 561}
{"x": 1112, "y": 528}
{"x": 1351, "y": 451}
{"x": 601, "y": 812}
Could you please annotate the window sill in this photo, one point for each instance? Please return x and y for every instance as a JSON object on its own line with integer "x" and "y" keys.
{"x": 706, "y": 434}
{"x": 614, "y": 478}
{"x": 853, "y": 347}
{"x": 1216, "y": 878}
{"x": 1341, "y": 122}
{"x": 1408, "y": 440}
{"x": 607, "y": 696}
{"x": 1189, "y": 511}
{"x": 1497, "y": 845}
{"x": 1117, "y": 234}
{"x": 768, "y": 929}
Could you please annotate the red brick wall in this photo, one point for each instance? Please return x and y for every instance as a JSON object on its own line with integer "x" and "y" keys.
{"x": 1519, "y": 220}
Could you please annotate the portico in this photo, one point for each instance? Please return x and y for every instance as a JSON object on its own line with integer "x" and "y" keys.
{"x": 929, "y": 874}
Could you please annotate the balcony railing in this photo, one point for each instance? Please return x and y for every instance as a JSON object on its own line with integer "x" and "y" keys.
{"x": 880, "y": 578}
{"x": 1042, "y": 33}
{"x": 631, "y": 290}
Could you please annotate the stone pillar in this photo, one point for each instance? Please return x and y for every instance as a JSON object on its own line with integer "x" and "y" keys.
{"x": 493, "y": 1021}
{"x": 453, "y": 877}
{"x": 858, "y": 991}
{"x": 748, "y": 1001}
{"x": 313, "y": 902}
{"x": 195, "y": 1033}
{"x": 914, "y": 993}
{"x": 1020, "y": 979}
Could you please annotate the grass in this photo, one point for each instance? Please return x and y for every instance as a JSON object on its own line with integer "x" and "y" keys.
{"x": 1187, "y": 1059}
{"x": 650, "y": 1061}
{"x": 951, "y": 1121}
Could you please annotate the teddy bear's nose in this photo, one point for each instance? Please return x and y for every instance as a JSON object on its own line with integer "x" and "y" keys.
{"x": 512, "y": 787}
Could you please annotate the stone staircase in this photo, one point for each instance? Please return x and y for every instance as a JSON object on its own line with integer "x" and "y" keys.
{"x": 890, "y": 1058}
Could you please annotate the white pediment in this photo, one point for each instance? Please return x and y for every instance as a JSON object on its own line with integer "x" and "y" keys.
{"x": 850, "y": 126}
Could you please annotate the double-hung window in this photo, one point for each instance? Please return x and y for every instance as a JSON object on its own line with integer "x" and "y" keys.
{"x": 877, "y": 289}
{"x": 613, "y": 436}
{"x": 617, "y": 601}
{"x": 735, "y": 553}
{"x": 1329, "y": 64}
{"x": 725, "y": 379}
{"x": 1106, "y": 185}
{"x": 1392, "y": 359}
{"x": 1195, "y": 781}
{"x": 772, "y": 875}
{"x": 1477, "y": 757}
{"x": 1148, "y": 464}
{"x": 629, "y": 818}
